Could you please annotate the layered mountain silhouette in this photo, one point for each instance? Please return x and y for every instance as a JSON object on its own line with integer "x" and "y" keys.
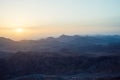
{"x": 64, "y": 43}
{"x": 62, "y": 58}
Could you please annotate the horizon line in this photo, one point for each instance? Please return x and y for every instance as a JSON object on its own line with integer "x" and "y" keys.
{"x": 90, "y": 35}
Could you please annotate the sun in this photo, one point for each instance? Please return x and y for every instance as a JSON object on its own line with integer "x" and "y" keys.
{"x": 19, "y": 30}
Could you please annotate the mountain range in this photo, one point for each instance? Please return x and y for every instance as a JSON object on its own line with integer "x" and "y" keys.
{"x": 62, "y": 58}
{"x": 66, "y": 44}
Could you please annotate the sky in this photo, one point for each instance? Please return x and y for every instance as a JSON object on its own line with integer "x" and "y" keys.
{"x": 42, "y": 18}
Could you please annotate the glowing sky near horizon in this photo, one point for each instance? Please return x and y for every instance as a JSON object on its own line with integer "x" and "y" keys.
{"x": 42, "y": 18}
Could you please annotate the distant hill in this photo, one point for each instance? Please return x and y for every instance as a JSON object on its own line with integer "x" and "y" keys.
{"x": 66, "y": 44}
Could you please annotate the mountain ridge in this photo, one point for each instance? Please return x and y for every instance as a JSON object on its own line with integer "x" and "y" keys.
{"x": 66, "y": 44}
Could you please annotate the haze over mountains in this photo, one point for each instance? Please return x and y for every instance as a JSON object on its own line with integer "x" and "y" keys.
{"x": 62, "y": 58}
{"x": 64, "y": 43}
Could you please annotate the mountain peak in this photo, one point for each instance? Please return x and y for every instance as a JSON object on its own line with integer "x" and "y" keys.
{"x": 5, "y": 39}
{"x": 64, "y": 36}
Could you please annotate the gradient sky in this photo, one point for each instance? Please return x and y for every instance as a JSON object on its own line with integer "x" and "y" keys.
{"x": 42, "y": 18}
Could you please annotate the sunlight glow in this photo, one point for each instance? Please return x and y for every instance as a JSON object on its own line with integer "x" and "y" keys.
{"x": 19, "y": 30}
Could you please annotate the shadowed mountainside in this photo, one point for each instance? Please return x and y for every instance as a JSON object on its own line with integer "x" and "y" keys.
{"x": 62, "y": 58}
